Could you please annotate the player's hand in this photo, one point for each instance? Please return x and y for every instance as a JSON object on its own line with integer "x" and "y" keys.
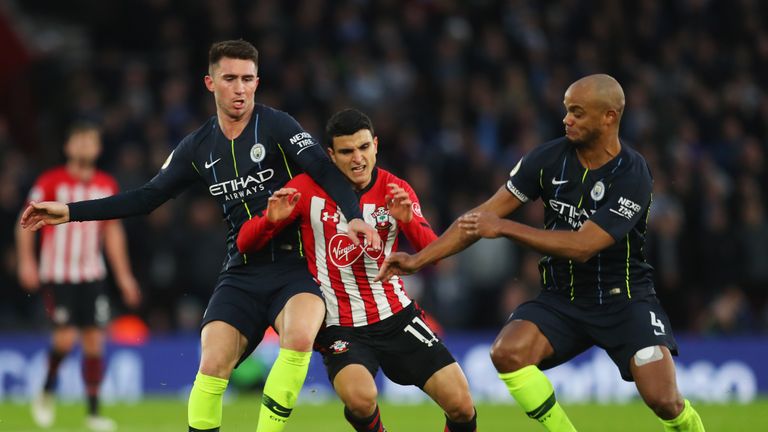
{"x": 29, "y": 278}
{"x": 358, "y": 227}
{"x": 38, "y": 215}
{"x": 281, "y": 204}
{"x": 398, "y": 263}
{"x": 480, "y": 224}
{"x": 130, "y": 291}
{"x": 399, "y": 203}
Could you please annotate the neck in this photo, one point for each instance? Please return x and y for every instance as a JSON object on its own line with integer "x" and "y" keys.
{"x": 598, "y": 153}
{"x": 232, "y": 127}
{"x": 80, "y": 170}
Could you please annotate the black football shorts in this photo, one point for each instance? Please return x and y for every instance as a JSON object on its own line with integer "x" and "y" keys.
{"x": 80, "y": 305}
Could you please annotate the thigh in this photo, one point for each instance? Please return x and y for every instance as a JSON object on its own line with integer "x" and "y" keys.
{"x": 411, "y": 352}
{"x": 448, "y": 386}
{"x": 342, "y": 347}
{"x": 640, "y": 324}
{"x": 655, "y": 378}
{"x": 222, "y": 347}
{"x": 560, "y": 326}
{"x": 288, "y": 284}
{"x": 354, "y": 383}
{"x": 242, "y": 311}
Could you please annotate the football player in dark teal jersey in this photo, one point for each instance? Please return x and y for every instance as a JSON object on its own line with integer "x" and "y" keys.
{"x": 597, "y": 286}
{"x": 243, "y": 154}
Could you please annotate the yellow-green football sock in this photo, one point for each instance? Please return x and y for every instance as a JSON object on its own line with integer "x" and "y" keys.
{"x": 687, "y": 421}
{"x": 535, "y": 394}
{"x": 282, "y": 388}
{"x": 204, "y": 408}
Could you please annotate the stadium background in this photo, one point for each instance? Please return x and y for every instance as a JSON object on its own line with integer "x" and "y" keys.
{"x": 458, "y": 91}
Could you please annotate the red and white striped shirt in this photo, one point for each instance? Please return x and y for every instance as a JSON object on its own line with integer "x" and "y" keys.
{"x": 72, "y": 252}
{"x": 344, "y": 271}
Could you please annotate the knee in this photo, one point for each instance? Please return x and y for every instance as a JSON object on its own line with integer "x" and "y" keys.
{"x": 216, "y": 364}
{"x": 361, "y": 403}
{"x": 508, "y": 356}
{"x": 666, "y": 407}
{"x": 300, "y": 339}
{"x": 462, "y": 410}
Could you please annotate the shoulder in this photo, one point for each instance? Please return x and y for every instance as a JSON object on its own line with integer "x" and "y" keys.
{"x": 636, "y": 165}
{"x": 104, "y": 178}
{"x": 53, "y": 175}
{"x": 302, "y": 181}
{"x": 549, "y": 151}
{"x": 196, "y": 137}
{"x": 385, "y": 177}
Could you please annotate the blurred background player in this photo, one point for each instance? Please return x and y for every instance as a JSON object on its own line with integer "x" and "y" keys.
{"x": 243, "y": 154}
{"x": 597, "y": 286}
{"x": 71, "y": 271}
{"x": 368, "y": 324}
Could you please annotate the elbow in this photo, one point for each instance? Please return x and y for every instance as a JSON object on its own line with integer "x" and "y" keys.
{"x": 242, "y": 244}
{"x": 583, "y": 255}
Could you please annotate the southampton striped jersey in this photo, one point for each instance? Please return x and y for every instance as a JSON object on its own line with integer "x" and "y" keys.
{"x": 71, "y": 253}
{"x": 616, "y": 196}
{"x": 344, "y": 271}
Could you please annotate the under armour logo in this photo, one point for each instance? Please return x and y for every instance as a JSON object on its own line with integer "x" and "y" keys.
{"x": 327, "y": 216}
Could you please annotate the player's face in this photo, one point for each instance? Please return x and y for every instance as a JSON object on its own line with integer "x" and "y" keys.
{"x": 233, "y": 83}
{"x": 583, "y": 118}
{"x": 83, "y": 147}
{"x": 355, "y": 156}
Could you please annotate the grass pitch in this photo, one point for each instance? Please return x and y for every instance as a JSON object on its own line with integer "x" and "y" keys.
{"x": 166, "y": 415}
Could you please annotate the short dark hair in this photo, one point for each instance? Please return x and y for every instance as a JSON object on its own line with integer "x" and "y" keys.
{"x": 82, "y": 126}
{"x": 346, "y": 122}
{"x": 237, "y": 49}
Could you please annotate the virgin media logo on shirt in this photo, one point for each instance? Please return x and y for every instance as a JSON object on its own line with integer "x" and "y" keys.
{"x": 344, "y": 253}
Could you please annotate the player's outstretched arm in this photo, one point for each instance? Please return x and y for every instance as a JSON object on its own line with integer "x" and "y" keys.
{"x": 453, "y": 240}
{"x": 38, "y": 215}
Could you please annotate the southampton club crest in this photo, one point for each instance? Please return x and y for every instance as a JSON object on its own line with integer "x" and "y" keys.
{"x": 339, "y": 347}
{"x": 381, "y": 218}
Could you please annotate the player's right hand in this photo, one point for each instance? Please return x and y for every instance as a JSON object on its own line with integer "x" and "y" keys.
{"x": 281, "y": 204}
{"x": 29, "y": 278}
{"x": 38, "y": 215}
{"x": 357, "y": 227}
{"x": 398, "y": 263}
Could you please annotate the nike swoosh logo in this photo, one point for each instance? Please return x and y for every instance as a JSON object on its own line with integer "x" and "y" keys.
{"x": 208, "y": 165}
{"x": 558, "y": 182}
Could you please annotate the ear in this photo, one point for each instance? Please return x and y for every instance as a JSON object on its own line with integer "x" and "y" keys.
{"x": 331, "y": 153}
{"x": 611, "y": 118}
{"x": 375, "y": 145}
{"x": 208, "y": 83}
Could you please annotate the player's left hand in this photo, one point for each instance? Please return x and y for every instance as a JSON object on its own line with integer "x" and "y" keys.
{"x": 358, "y": 227}
{"x": 130, "y": 290}
{"x": 399, "y": 203}
{"x": 481, "y": 224}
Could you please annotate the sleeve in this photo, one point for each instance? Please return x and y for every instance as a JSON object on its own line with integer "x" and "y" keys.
{"x": 417, "y": 231}
{"x": 42, "y": 190}
{"x": 176, "y": 174}
{"x": 300, "y": 147}
{"x": 259, "y": 231}
{"x": 626, "y": 202}
{"x": 524, "y": 178}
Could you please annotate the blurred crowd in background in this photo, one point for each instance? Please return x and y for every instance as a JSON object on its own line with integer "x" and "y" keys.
{"x": 458, "y": 91}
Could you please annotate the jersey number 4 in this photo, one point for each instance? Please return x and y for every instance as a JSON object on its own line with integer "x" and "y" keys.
{"x": 424, "y": 334}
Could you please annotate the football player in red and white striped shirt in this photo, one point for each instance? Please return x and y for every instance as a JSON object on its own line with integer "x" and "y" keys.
{"x": 71, "y": 270}
{"x": 368, "y": 324}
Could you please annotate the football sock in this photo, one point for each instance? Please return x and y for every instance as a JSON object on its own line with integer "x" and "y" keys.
{"x": 452, "y": 426}
{"x": 93, "y": 373}
{"x": 687, "y": 421}
{"x": 54, "y": 360}
{"x": 371, "y": 423}
{"x": 535, "y": 394}
{"x": 282, "y": 389}
{"x": 204, "y": 408}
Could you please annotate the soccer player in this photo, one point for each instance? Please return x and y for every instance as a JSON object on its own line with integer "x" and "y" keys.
{"x": 243, "y": 154}
{"x": 597, "y": 286}
{"x": 71, "y": 272}
{"x": 368, "y": 324}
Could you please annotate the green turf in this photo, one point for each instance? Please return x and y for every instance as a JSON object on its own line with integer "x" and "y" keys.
{"x": 165, "y": 415}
